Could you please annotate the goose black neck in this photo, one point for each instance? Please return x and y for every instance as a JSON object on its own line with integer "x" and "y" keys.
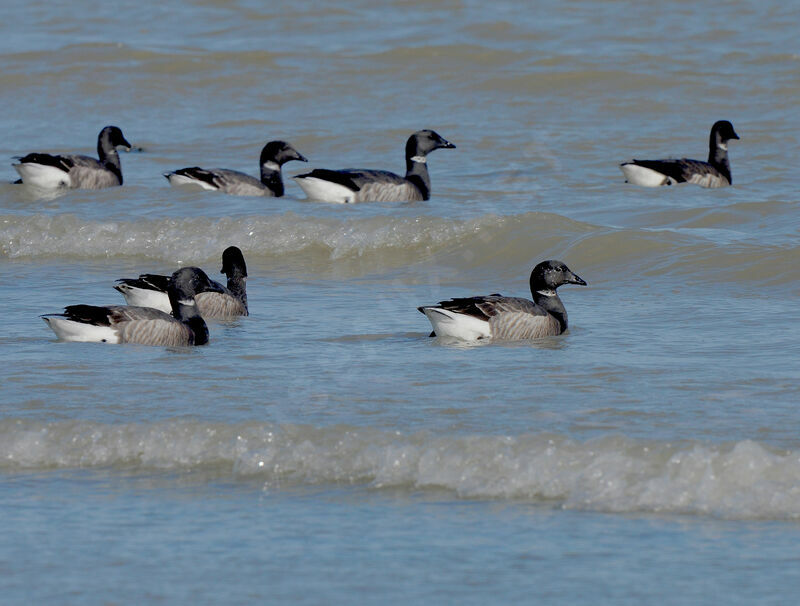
{"x": 417, "y": 174}
{"x": 199, "y": 329}
{"x": 184, "y": 307}
{"x": 109, "y": 157}
{"x": 237, "y": 284}
{"x": 551, "y": 303}
{"x": 718, "y": 157}
{"x": 189, "y": 316}
{"x": 272, "y": 180}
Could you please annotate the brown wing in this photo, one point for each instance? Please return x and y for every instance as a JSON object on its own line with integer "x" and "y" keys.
{"x": 148, "y": 326}
{"x": 686, "y": 170}
{"x": 488, "y": 306}
{"x": 521, "y": 325}
{"x": 219, "y": 306}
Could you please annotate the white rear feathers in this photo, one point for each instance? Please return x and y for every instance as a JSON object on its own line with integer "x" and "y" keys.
{"x": 322, "y": 190}
{"x": 144, "y": 297}
{"x": 80, "y": 332}
{"x": 448, "y": 323}
{"x": 42, "y": 175}
{"x": 177, "y": 179}
{"x": 646, "y": 177}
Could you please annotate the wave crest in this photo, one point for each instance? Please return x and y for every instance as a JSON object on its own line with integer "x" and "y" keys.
{"x": 613, "y": 474}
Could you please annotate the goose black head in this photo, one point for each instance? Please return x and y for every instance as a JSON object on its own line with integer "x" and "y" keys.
{"x": 188, "y": 281}
{"x": 233, "y": 262}
{"x": 723, "y": 131}
{"x": 111, "y": 137}
{"x": 549, "y": 275}
{"x": 425, "y": 141}
{"x": 280, "y": 152}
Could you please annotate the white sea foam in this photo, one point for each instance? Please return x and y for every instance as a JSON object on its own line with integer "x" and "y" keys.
{"x": 189, "y": 238}
{"x": 613, "y": 474}
{"x": 313, "y": 244}
{"x": 374, "y": 244}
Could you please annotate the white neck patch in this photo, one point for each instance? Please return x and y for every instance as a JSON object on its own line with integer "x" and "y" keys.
{"x": 420, "y": 159}
{"x": 270, "y": 165}
{"x": 187, "y": 302}
{"x": 723, "y": 146}
{"x": 546, "y": 293}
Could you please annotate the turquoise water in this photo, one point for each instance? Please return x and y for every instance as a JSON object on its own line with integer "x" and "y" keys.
{"x": 242, "y": 543}
{"x": 324, "y": 449}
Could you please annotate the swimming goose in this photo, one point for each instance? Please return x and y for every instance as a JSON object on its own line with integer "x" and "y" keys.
{"x": 508, "y": 318}
{"x": 51, "y": 171}
{"x": 273, "y": 156}
{"x": 358, "y": 185}
{"x": 142, "y": 325}
{"x": 714, "y": 173}
{"x": 219, "y": 303}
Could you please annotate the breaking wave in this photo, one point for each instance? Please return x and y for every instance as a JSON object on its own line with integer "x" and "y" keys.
{"x": 612, "y": 474}
{"x": 366, "y": 245}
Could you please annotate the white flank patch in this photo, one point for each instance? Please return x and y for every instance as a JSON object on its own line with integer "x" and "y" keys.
{"x": 325, "y": 191}
{"x": 69, "y": 330}
{"x": 40, "y": 175}
{"x": 420, "y": 159}
{"x": 461, "y": 326}
{"x": 184, "y": 180}
{"x": 647, "y": 177}
{"x": 144, "y": 297}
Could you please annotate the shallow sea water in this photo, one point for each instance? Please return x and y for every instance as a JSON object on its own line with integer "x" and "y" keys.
{"x": 324, "y": 449}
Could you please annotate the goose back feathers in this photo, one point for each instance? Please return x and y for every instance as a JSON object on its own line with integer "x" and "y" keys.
{"x": 365, "y": 185}
{"x": 142, "y": 325}
{"x": 508, "y": 318}
{"x": 51, "y": 171}
{"x": 716, "y": 172}
{"x": 273, "y": 156}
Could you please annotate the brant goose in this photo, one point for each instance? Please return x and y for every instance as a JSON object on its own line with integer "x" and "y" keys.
{"x": 217, "y": 303}
{"x": 357, "y": 185}
{"x": 273, "y": 156}
{"x": 508, "y": 318}
{"x": 714, "y": 173}
{"x": 142, "y": 325}
{"x": 51, "y": 171}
